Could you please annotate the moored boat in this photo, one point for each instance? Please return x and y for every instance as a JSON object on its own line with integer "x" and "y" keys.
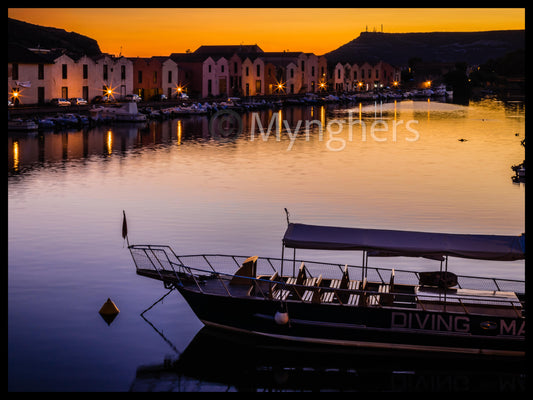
{"x": 348, "y": 305}
{"x": 126, "y": 112}
{"x": 21, "y": 125}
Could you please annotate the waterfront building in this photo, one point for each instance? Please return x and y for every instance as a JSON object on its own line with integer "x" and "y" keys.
{"x": 363, "y": 76}
{"x": 246, "y": 70}
{"x": 35, "y": 76}
{"x": 30, "y": 75}
{"x": 154, "y": 76}
{"x": 110, "y": 76}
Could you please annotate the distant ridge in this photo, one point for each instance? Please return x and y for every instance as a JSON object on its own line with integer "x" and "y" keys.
{"x": 397, "y": 48}
{"x": 29, "y": 35}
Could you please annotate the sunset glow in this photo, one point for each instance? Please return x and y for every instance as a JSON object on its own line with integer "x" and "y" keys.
{"x": 147, "y": 32}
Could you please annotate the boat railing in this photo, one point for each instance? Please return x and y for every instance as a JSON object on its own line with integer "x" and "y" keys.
{"x": 166, "y": 265}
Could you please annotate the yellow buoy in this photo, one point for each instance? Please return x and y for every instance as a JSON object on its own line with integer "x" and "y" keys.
{"x": 109, "y": 308}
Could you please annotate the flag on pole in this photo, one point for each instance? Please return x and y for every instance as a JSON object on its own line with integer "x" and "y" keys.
{"x": 25, "y": 84}
{"x": 125, "y": 228}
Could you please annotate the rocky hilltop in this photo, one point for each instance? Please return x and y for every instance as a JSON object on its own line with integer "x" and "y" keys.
{"x": 397, "y": 48}
{"x": 34, "y": 36}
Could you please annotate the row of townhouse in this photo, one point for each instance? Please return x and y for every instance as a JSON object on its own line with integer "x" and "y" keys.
{"x": 363, "y": 76}
{"x": 246, "y": 70}
{"x": 35, "y": 76}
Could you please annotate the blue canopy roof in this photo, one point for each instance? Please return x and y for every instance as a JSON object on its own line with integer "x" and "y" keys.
{"x": 382, "y": 242}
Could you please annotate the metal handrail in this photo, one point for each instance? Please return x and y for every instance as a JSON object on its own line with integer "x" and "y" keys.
{"x": 182, "y": 263}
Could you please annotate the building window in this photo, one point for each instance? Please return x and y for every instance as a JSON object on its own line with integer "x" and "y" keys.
{"x": 292, "y": 72}
{"x": 40, "y": 72}
{"x": 313, "y": 70}
{"x": 105, "y": 72}
{"x": 64, "y": 71}
{"x": 377, "y": 74}
{"x": 40, "y": 95}
{"x": 169, "y": 76}
{"x": 258, "y": 70}
{"x": 247, "y": 71}
{"x": 235, "y": 68}
{"x": 155, "y": 76}
{"x": 123, "y": 72}
{"x": 303, "y": 65}
{"x": 139, "y": 77}
{"x": 222, "y": 68}
{"x": 338, "y": 74}
{"x": 15, "y": 71}
{"x": 85, "y": 71}
{"x": 354, "y": 75}
{"x": 209, "y": 68}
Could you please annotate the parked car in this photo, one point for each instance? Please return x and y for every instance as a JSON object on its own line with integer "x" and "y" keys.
{"x": 133, "y": 97}
{"x": 158, "y": 97}
{"x": 60, "y": 102}
{"x": 79, "y": 101}
{"x": 101, "y": 99}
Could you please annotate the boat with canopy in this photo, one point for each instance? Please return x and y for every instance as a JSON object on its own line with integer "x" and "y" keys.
{"x": 291, "y": 299}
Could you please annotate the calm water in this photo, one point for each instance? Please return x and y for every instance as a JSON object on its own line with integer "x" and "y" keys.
{"x": 392, "y": 165}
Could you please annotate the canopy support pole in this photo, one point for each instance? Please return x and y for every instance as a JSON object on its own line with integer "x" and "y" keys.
{"x": 293, "y": 261}
{"x": 282, "y": 252}
{"x": 364, "y": 266}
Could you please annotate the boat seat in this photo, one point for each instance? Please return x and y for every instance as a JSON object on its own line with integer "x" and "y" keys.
{"x": 353, "y": 299}
{"x": 342, "y": 283}
{"x": 313, "y": 294}
{"x": 327, "y": 297}
{"x": 284, "y": 291}
{"x": 246, "y": 272}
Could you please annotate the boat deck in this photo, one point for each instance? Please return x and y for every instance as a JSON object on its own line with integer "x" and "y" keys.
{"x": 350, "y": 292}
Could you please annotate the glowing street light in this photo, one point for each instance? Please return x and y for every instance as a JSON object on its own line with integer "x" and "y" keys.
{"x": 280, "y": 86}
{"x": 109, "y": 92}
{"x": 16, "y": 96}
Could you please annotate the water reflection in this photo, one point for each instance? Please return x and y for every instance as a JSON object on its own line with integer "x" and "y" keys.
{"x": 335, "y": 126}
{"x": 39, "y": 149}
{"x": 219, "y": 361}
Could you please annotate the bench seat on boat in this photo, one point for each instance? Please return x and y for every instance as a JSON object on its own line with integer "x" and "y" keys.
{"x": 312, "y": 294}
{"x": 329, "y": 295}
{"x": 284, "y": 291}
{"x": 353, "y": 299}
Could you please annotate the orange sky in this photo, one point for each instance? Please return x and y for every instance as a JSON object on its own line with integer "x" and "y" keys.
{"x": 146, "y": 32}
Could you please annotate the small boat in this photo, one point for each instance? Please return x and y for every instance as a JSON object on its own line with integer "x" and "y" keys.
{"x": 127, "y": 112}
{"x": 21, "y": 125}
{"x": 320, "y": 303}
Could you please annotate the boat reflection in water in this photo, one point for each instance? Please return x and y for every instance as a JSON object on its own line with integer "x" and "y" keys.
{"x": 218, "y": 361}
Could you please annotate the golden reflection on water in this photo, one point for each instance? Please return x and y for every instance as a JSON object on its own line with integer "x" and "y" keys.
{"x": 388, "y": 165}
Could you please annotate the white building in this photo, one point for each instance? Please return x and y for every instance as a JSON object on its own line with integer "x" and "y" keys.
{"x": 39, "y": 75}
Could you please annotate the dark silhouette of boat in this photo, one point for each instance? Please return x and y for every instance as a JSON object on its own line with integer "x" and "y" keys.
{"x": 355, "y": 306}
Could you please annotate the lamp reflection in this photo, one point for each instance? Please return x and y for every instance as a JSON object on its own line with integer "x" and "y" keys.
{"x": 109, "y": 142}
{"x": 179, "y": 131}
{"x": 15, "y": 155}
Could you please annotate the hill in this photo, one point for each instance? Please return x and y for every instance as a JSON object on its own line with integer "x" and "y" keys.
{"x": 32, "y": 36}
{"x": 397, "y": 48}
